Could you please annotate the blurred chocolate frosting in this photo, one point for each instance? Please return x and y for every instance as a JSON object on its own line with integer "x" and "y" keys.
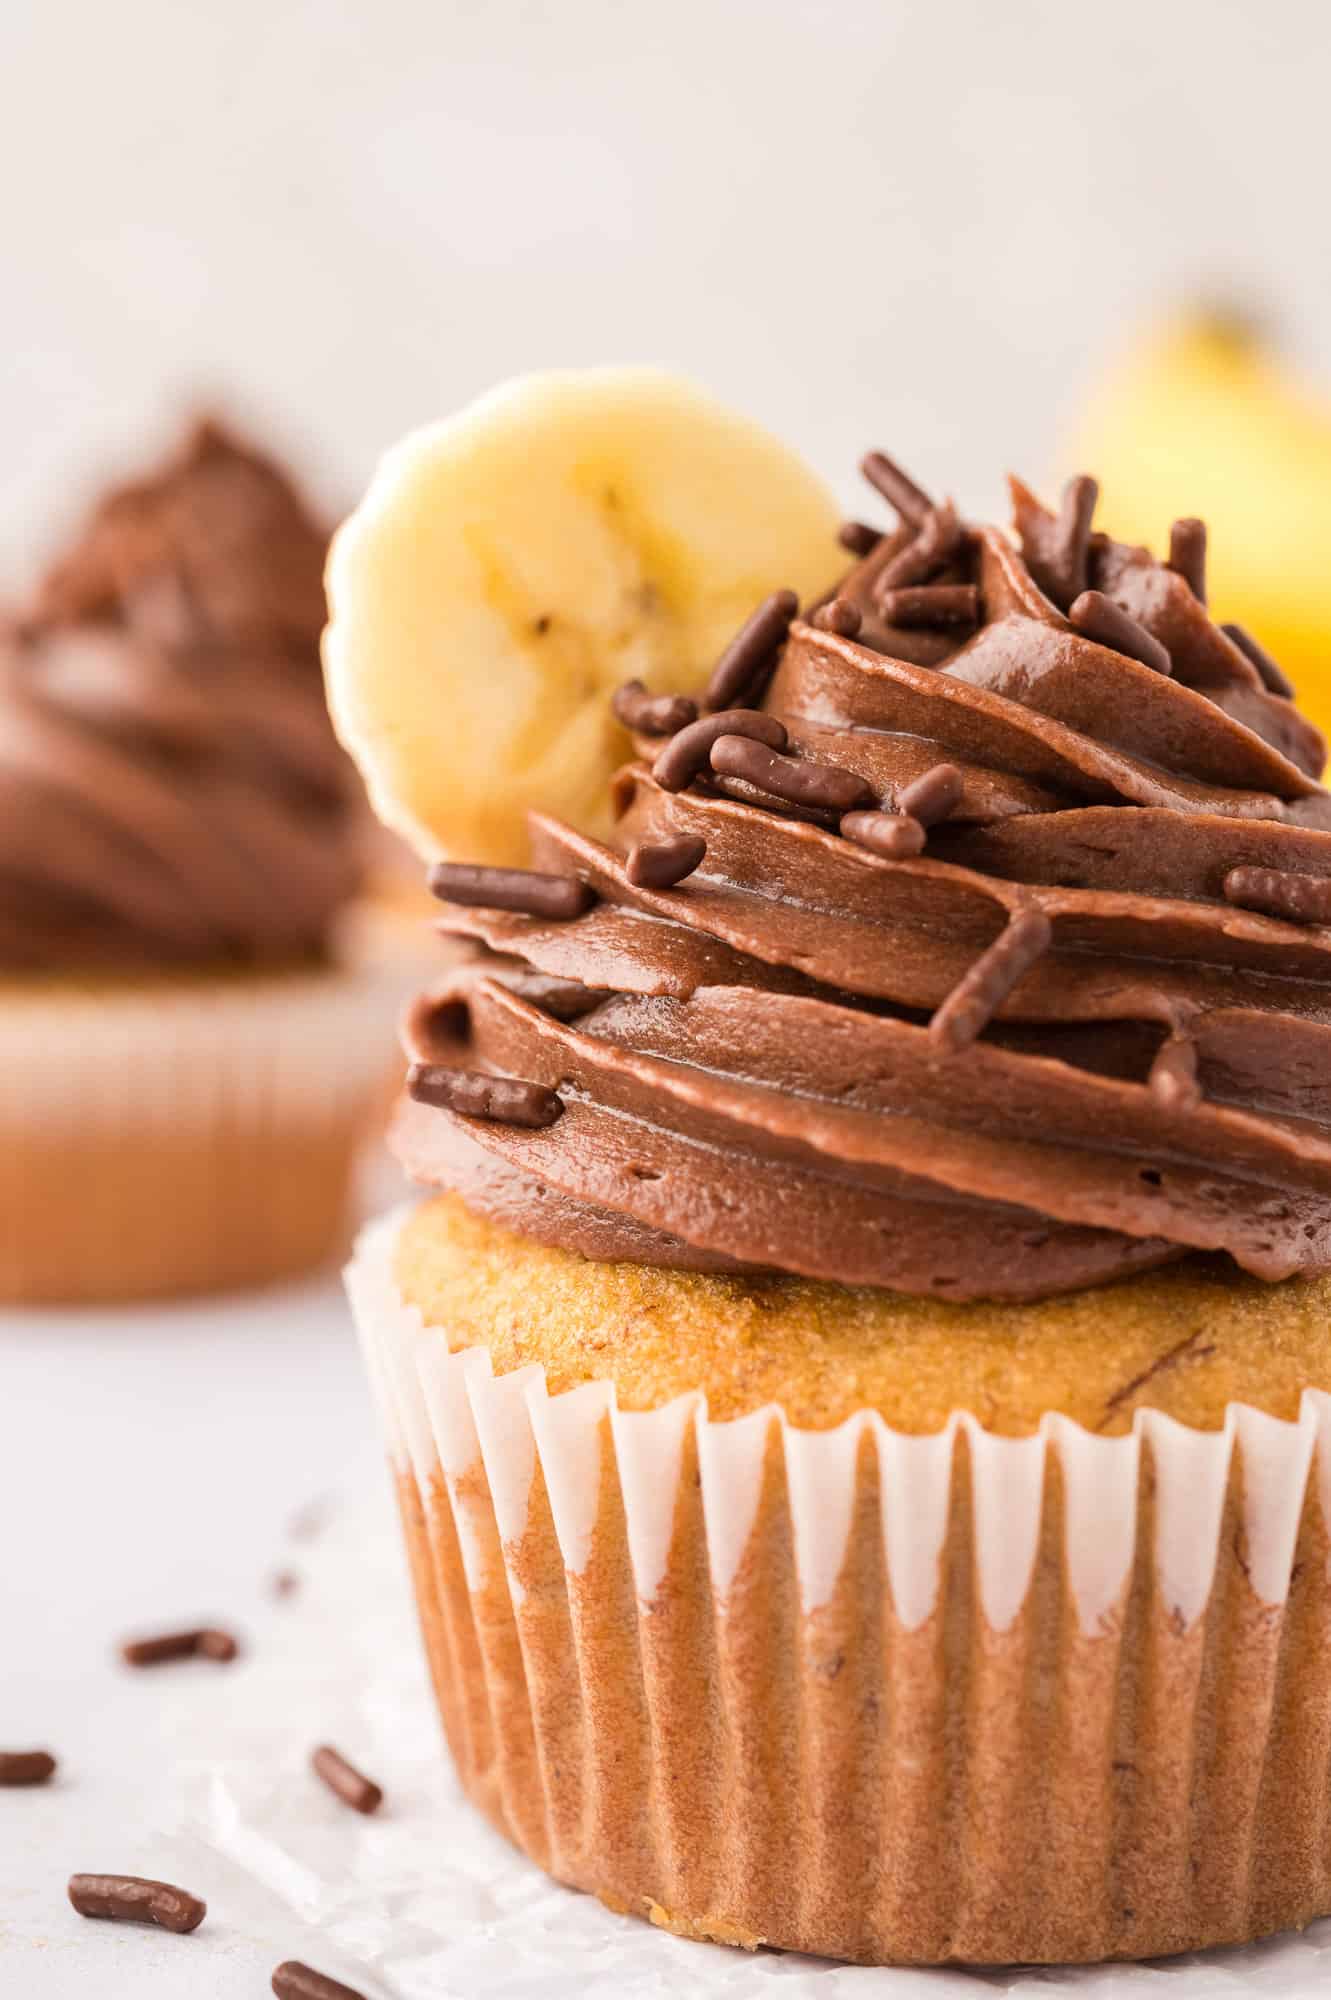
{"x": 172, "y": 791}
{"x": 1083, "y": 1029}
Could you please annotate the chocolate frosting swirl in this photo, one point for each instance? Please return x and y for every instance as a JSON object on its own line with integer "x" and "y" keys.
{"x": 746, "y": 1062}
{"x": 173, "y": 792}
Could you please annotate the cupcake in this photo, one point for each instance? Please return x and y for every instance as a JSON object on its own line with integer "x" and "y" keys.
{"x": 190, "y": 1062}
{"x": 857, "y": 1389}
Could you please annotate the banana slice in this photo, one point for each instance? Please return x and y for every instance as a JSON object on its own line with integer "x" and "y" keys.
{"x": 509, "y": 567}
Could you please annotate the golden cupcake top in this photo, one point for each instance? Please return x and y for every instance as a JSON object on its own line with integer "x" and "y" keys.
{"x": 960, "y": 925}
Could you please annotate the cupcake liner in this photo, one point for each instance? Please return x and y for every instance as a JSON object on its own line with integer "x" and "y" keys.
{"x": 181, "y": 1135}
{"x": 868, "y": 1695}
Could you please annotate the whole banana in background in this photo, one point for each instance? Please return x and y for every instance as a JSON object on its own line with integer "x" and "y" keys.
{"x": 1206, "y": 407}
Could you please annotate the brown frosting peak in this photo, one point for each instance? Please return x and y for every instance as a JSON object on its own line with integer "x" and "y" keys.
{"x": 173, "y": 790}
{"x": 1035, "y": 992}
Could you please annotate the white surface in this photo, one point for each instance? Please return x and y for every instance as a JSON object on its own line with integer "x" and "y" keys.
{"x": 151, "y": 1463}
{"x": 909, "y": 224}
{"x": 151, "y": 1469}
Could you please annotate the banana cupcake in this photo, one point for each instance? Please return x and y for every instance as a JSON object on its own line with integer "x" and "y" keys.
{"x": 858, "y": 1393}
{"x": 189, "y": 1064}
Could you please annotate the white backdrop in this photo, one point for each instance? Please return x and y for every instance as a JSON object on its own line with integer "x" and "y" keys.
{"x": 918, "y": 224}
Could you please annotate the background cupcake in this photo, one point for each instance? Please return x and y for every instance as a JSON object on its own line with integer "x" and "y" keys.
{"x": 813, "y": 1546}
{"x": 188, "y": 1059}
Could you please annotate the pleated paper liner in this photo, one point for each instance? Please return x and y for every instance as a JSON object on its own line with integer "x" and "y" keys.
{"x": 183, "y": 1135}
{"x": 878, "y": 1697}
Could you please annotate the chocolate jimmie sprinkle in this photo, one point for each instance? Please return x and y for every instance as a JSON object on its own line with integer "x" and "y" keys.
{"x": 1274, "y": 678}
{"x": 979, "y": 993}
{"x": 660, "y": 864}
{"x": 294, "y": 1981}
{"x": 205, "y": 1642}
{"x": 939, "y": 539}
{"x": 840, "y": 615}
{"x": 1187, "y": 554}
{"x": 26, "y": 1767}
{"x": 894, "y": 836}
{"x": 1173, "y": 1077}
{"x": 1058, "y": 554}
{"x": 351, "y": 1786}
{"x": 505, "y": 1100}
{"x": 523, "y": 890}
{"x": 1277, "y": 892}
{"x": 931, "y": 606}
{"x": 652, "y": 714}
{"x": 687, "y": 754}
{"x": 933, "y": 795}
{"x": 1097, "y": 617}
{"x": 166, "y": 1646}
{"x": 802, "y": 781}
{"x": 900, "y": 835}
{"x": 858, "y": 537}
{"x": 133, "y": 1899}
{"x": 751, "y": 652}
{"x": 896, "y": 487}
{"x": 214, "y": 1644}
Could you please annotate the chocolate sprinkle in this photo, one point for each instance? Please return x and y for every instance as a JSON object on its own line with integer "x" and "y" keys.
{"x": 895, "y": 836}
{"x": 652, "y": 714}
{"x": 294, "y": 1981}
{"x": 858, "y": 537}
{"x": 26, "y": 1767}
{"x": 938, "y": 541}
{"x": 132, "y": 1899}
{"x": 207, "y": 1642}
{"x": 933, "y": 795}
{"x": 215, "y": 1644}
{"x": 1274, "y": 678}
{"x": 979, "y": 993}
{"x": 660, "y": 864}
{"x": 687, "y": 754}
{"x": 1058, "y": 555}
{"x": 1097, "y": 617}
{"x": 505, "y": 1100}
{"x": 896, "y": 487}
{"x": 931, "y": 606}
{"x": 521, "y": 889}
{"x": 840, "y": 615}
{"x": 152, "y": 1652}
{"x": 801, "y": 780}
{"x": 1173, "y": 1078}
{"x": 351, "y": 1786}
{"x": 751, "y": 651}
{"x": 1187, "y": 554}
{"x": 1276, "y": 892}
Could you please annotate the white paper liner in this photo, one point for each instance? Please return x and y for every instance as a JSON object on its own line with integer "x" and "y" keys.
{"x": 442, "y": 1409}
{"x": 176, "y": 1135}
{"x": 424, "y": 1901}
{"x": 89, "y": 1055}
{"x": 493, "y": 1441}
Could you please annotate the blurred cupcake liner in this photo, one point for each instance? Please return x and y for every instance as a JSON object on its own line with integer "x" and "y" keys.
{"x": 184, "y": 1136}
{"x": 868, "y": 1695}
